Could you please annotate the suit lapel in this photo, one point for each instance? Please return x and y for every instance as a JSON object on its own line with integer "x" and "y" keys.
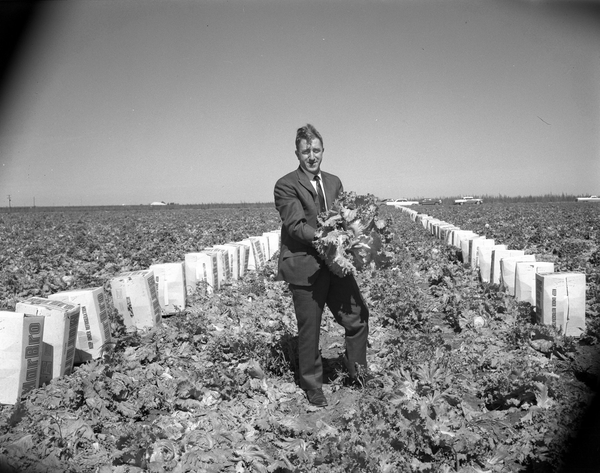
{"x": 328, "y": 187}
{"x": 303, "y": 180}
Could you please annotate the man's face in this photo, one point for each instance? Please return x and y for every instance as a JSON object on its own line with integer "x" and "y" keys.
{"x": 310, "y": 155}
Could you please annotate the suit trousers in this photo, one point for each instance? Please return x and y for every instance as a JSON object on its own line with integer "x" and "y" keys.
{"x": 345, "y": 302}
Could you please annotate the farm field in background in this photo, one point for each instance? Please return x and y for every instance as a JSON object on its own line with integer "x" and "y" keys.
{"x": 49, "y": 252}
{"x": 213, "y": 388}
{"x": 567, "y": 233}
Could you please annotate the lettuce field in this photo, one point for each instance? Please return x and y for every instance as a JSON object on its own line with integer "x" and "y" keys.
{"x": 213, "y": 388}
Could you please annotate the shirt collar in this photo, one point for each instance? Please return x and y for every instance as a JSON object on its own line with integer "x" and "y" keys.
{"x": 311, "y": 176}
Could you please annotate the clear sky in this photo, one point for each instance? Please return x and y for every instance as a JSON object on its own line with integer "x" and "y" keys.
{"x": 133, "y": 101}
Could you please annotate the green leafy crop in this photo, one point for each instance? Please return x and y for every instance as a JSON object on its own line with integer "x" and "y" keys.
{"x": 351, "y": 235}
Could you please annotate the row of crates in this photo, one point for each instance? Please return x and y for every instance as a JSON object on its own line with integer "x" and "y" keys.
{"x": 45, "y": 337}
{"x": 143, "y": 297}
{"x": 558, "y": 297}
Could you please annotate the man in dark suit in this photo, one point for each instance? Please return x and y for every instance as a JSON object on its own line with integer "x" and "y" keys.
{"x": 299, "y": 197}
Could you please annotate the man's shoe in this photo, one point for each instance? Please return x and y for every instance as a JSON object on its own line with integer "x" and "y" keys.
{"x": 316, "y": 397}
{"x": 351, "y": 382}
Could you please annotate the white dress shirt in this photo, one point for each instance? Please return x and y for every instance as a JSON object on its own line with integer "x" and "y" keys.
{"x": 311, "y": 178}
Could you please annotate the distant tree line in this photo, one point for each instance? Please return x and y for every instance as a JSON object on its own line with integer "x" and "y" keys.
{"x": 487, "y": 198}
{"x": 506, "y": 199}
{"x": 87, "y": 208}
{"x": 214, "y": 205}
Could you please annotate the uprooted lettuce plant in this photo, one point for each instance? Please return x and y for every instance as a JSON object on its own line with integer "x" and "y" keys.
{"x": 351, "y": 235}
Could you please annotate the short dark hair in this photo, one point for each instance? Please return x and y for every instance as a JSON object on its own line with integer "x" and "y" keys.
{"x": 308, "y": 133}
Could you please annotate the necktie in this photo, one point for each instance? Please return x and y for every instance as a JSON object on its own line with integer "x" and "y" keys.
{"x": 320, "y": 194}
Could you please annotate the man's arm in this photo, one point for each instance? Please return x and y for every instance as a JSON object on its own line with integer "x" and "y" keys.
{"x": 291, "y": 210}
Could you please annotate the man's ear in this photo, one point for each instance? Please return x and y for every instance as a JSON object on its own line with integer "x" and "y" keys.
{"x": 296, "y": 153}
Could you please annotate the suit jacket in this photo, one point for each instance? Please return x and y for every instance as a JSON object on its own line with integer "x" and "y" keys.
{"x": 297, "y": 203}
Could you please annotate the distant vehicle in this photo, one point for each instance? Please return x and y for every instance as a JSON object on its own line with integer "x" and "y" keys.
{"x": 430, "y": 202}
{"x": 401, "y": 202}
{"x": 591, "y": 198}
{"x": 467, "y": 199}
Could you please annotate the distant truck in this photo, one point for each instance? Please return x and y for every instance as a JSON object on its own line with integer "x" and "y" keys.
{"x": 467, "y": 199}
{"x": 591, "y": 198}
{"x": 401, "y": 202}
